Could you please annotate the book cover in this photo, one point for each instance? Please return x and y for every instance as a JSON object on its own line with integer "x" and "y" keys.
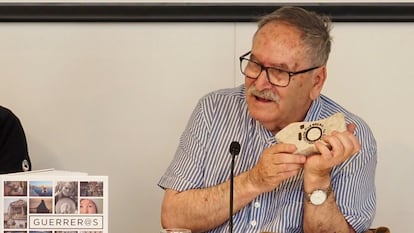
{"x": 53, "y": 201}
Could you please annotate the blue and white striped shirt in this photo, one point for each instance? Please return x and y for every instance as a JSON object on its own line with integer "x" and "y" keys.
{"x": 202, "y": 160}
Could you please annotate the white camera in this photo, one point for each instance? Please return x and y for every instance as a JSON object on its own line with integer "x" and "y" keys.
{"x": 305, "y": 134}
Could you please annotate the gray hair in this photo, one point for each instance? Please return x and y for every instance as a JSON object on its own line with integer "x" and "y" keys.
{"x": 315, "y": 30}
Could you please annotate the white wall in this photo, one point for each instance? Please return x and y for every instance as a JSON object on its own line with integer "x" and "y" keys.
{"x": 113, "y": 98}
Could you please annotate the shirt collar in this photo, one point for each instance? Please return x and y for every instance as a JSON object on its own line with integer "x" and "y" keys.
{"x": 314, "y": 110}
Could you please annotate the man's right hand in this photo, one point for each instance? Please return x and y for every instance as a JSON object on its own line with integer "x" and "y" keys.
{"x": 277, "y": 163}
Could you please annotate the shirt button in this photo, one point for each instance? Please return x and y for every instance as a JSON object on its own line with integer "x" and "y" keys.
{"x": 253, "y": 223}
{"x": 257, "y": 204}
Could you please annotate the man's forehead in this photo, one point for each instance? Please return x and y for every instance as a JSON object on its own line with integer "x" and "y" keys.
{"x": 278, "y": 44}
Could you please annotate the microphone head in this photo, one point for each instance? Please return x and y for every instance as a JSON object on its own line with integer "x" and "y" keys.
{"x": 234, "y": 148}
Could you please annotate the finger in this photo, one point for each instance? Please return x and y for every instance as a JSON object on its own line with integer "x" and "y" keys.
{"x": 350, "y": 142}
{"x": 337, "y": 147}
{"x": 284, "y": 158}
{"x": 282, "y": 148}
{"x": 324, "y": 149}
{"x": 351, "y": 127}
{"x": 286, "y": 167}
{"x": 289, "y": 173}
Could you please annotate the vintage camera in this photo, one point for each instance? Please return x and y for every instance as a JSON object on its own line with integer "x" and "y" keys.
{"x": 305, "y": 134}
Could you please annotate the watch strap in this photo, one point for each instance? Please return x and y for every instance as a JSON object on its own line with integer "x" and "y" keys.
{"x": 327, "y": 191}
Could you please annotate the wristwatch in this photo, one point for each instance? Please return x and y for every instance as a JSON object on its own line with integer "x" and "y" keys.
{"x": 318, "y": 196}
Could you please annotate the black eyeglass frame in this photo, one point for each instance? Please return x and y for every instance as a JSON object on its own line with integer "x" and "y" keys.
{"x": 262, "y": 67}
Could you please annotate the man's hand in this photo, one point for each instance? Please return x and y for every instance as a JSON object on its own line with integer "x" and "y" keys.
{"x": 343, "y": 146}
{"x": 276, "y": 164}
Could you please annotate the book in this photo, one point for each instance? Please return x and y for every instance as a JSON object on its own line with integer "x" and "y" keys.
{"x": 53, "y": 201}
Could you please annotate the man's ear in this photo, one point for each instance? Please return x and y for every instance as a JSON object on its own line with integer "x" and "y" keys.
{"x": 319, "y": 78}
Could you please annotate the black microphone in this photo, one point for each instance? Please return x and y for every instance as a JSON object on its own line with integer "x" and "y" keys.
{"x": 234, "y": 150}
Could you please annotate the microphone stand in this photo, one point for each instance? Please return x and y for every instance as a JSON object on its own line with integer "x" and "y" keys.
{"x": 234, "y": 150}
{"x": 231, "y": 192}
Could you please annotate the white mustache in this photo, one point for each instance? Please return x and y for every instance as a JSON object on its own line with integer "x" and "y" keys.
{"x": 265, "y": 94}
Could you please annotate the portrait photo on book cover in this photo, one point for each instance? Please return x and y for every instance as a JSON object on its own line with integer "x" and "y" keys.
{"x": 15, "y": 188}
{"x": 66, "y": 197}
{"x": 90, "y": 206}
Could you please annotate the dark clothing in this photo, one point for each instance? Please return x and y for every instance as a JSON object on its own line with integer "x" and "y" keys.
{"x": 14, "y": 156}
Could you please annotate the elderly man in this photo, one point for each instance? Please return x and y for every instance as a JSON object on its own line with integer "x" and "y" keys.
{"x": 275, "y": 189}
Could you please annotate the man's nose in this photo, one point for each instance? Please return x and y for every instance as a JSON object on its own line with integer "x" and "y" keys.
{"x": 262, "y": 82}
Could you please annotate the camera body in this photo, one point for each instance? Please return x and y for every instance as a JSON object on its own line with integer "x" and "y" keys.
{"x": 305, "y": 134}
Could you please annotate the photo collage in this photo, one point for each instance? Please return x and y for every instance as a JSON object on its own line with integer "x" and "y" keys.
{"x": 49, "y": 206}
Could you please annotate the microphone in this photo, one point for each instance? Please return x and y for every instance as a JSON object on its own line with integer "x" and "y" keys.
{"x": 234, "y": 150}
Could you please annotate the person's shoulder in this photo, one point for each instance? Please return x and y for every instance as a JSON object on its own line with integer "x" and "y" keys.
{"x": 5, "y": 111}
{"x": 330, "y": 107}
{"x": 6, "y": 114}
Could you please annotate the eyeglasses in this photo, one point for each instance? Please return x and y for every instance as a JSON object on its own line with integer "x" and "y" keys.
{"x": 275, "y": 76}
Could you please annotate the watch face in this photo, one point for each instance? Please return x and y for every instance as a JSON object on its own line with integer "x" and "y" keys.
{"x": 318, "y": 197}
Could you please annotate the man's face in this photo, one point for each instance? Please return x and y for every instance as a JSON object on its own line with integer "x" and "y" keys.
{"x": 279, "y": 45}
